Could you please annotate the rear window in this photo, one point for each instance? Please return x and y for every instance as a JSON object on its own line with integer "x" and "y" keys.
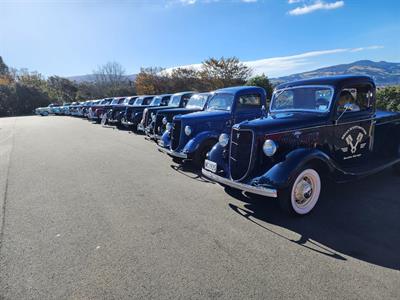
{"x": 248, "y": 101}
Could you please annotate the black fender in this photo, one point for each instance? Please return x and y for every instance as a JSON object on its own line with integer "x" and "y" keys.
{"x": 195, "y": 142}
{"x": 282, "y": 173}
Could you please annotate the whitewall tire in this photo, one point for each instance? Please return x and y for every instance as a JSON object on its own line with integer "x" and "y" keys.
{"x": 303, "y": 193}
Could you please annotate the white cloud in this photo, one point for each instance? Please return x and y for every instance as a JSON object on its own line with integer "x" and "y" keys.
{"x": 188, "y": 2}
{"x": 286, "y": 65}
{"x": 317, "y": 5}
{"x": 294, "y": 1}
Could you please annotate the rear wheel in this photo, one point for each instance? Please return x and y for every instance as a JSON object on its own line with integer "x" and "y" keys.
{"x": 302, "y": 194}
{"x": 201, "y": 153}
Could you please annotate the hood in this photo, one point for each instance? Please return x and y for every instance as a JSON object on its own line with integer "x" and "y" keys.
{"x": 202, "y": 116}
{"x": 279, "y": 122}
{"x": 177, "y": 111}
{"x": 158, "y": 108}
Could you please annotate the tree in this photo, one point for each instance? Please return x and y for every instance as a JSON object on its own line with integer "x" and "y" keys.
{"x": 3, "y": 68}
{"x": 62, "y": 89}
{"x": 152, "y": 81}
{"x": 262, "y": 81}
{"x": 111, "y": 81}
{"x": 388, "y": 98}
{"x": 224, "y": 72}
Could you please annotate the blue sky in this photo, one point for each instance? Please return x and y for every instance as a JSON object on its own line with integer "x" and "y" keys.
{"x": 74, "y": 37}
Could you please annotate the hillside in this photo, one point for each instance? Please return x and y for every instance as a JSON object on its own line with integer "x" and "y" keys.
{"x": 384, "y": 73}
{"x": 91, "y": 78}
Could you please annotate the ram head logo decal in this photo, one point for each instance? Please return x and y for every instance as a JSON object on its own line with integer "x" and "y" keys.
{"x": 349, "y": 141}
{"x": 353, "y": 137}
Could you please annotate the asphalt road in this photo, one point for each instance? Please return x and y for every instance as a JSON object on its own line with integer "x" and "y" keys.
{"x": 97, "y": 213}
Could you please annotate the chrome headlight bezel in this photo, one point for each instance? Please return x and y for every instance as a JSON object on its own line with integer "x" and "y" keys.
{"x": 188, "y": 130}
{"x": 269, "y": 148}
{"x": 223, "y": 140}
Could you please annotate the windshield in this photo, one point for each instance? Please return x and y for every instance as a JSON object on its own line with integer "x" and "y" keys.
{"x": 197, "y": 101}
{"x": 138, "y": 101}
{"x": 115, "y": 101}
{"x": 156, "y": 101}
{"x": 302, "y": 98}
{"x": 221, "y": 102}
{"x": 175, "y": 100}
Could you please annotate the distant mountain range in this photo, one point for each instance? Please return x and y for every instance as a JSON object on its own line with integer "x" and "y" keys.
{"x": 92, "y": 78}
{"x": 384, "y": 73}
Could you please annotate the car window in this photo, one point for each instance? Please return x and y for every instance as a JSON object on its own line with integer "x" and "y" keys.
{"x": 165, "y": 100}
{"x": 248, "y": 101}
{"x": 197, "y": 101}
{"x": 357, "y": 98}
{"x": 303, "y": 98}
{"x": 175, "y": 100}
{"x": 147, "y": 100}
{"x": 220, "y": 102}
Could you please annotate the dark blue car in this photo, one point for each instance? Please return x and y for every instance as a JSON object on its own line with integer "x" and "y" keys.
{"x": 192, "y": 135}
{"x": 316, "y": 129}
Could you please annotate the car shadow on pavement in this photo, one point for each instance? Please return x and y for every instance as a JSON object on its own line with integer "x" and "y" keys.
{"x": 358, "y": 220}
{"x": 187, "y": 169}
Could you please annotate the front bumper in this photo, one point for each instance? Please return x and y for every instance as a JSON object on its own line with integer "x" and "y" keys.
{"x": 125, "y": 122}
{"x": 172, "y": 153}
{"x": 263, "y": 191}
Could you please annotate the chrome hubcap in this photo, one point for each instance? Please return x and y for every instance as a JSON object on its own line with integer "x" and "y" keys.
{"x": 304, "y": 191}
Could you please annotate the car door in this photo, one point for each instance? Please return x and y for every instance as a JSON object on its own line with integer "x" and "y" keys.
{"x": 353, "y": 129}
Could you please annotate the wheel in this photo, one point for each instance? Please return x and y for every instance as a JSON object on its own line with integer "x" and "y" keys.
{"x": 302, "y": 194}
{"x": 201, "y": 153}
{"x": 45, "y": 113}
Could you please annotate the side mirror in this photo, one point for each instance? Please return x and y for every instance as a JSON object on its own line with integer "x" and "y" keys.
{"x": 263, "y": 111}
{"x": 347, "y": 107}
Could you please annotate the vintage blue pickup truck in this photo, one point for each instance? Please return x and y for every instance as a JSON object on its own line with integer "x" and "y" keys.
{"x": 133, "y": 113}
{"x": 164, "y": 117}
{"x": 146, "y": 125}
{"x": 115, "y": 111}
{"x": 193, "y": 135}
{"x": 316, "y": 129}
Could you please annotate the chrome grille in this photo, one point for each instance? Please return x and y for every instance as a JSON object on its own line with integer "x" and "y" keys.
{"x": 241, "y": 148}
{"x": 159, "y": 126}
{"x": 175, "y": 135}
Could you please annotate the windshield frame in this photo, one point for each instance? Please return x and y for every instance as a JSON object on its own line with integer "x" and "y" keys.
{"x": 280, "y": 91}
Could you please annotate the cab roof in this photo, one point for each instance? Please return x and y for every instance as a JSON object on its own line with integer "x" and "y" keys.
{"x": 240, "y": 89}
{"x": 335, "y": 81}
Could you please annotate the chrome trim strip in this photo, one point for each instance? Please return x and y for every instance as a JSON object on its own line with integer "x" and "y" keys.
{"x": 267, "y": 192}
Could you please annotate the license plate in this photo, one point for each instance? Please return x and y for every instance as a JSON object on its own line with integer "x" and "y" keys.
{"x": 210, "y": 166}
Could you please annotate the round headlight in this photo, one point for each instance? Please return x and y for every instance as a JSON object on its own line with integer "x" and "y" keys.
{"x": 188, "y": 130}
{"x": 223, "y": 140}
{"x": 169, "y": 126}
{"x": 269, "y": 148}
{"x": 164, "y": 121}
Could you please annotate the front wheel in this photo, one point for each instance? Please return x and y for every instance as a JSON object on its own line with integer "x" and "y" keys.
{"x": 302, "y": 194}
{"x": 201, "y": 153}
